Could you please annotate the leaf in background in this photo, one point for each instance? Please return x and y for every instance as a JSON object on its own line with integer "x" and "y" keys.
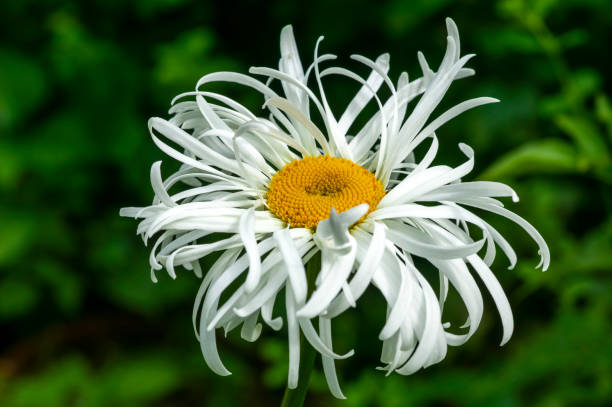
{"x": 402, "y": 16}
{"x": 22, "y": 87}
{"x": 16, "y": 235}
{"x": 274, "y": 352}
{"x": 150, "y": 8}
{"x": 585, "y": 82}
{"x": 71, "y": 48}
{"x": 604, "y": 112}
{"x": 532, "y": 8}
{"x": 180, "y": 63}
{"x": 63, "y": 283}
{"x": 587, "y": 138}
{"x": 574, "y": 38}
{"x": 500, "y": 41}
{"x": 138, "y": 380}
{"x": 581, "y": 86}
{"x": 57, "y": 386}
{"x": 11, "y": 166}
{"x": 543, "y": 156}
{"x": 16, "y": 298}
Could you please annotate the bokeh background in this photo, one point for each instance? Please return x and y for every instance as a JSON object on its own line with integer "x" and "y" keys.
{"x": 81, "y": 324}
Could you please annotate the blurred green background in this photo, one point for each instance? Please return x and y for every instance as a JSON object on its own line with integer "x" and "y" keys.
{"x": 81, "y": 323}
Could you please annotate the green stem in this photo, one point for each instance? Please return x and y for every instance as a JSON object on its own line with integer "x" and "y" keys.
{"x": 295, "y": 397}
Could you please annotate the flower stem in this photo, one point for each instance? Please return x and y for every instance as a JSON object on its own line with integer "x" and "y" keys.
{"x": 295, "y": 397}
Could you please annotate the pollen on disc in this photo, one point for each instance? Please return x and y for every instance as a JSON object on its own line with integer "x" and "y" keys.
{"x": 303, "y": 192}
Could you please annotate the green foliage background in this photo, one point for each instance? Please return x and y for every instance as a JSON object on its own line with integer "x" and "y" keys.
{"x": 82, "y": 325}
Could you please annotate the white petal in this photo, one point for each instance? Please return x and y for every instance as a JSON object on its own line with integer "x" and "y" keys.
{"x": 251, "y": 329}
{"x": 535, "y": 235}
{"x": 397, "y": 312}
{"x": 459, "y": 276}
{"x": 158, "y": 185}
{"x": 299, "y": 116}
{"x": 268, "y": 291}
{"x": 453, "y": 192}
{"x": 293, "y": 264}
{"x": 266, "y": 315}
{"x": 413, "y": 186}
{"x": 329, "y": 368}
{"x": 418, "y": 243}
{"x": 428, "y": 340}
{"x": 338, "y": 139}
{"x": 294, "y": 339}
{"x": 316, "y": 342}
{"x": 452, "y": 113}
{"x": 235, "y": 78}
{"x": 364, "y": 274}
{"x": 365, "y": 94}
{"x": 247, "y": 234}
{"x": 200, "y": 150}
{"x": 332, "y": 233}
{"x": 497, "y": 292}
{"x": 337, "y": 268}
{"x": 208, "y": 342}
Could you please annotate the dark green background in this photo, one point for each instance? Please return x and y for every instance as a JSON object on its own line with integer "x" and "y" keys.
{"x": 82, "y": 325}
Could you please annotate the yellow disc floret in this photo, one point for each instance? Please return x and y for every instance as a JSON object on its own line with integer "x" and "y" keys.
{"x": 303, "y": 192}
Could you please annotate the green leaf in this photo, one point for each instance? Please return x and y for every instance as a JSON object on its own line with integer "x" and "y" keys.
{"x": 403, "y": 16}
{"x": 604, "y": 112}
{"x": 11, "y": 166}
{"x": 63, "y": 284}
{"x": 16, "y": 235}
{"x": 587, "y": 138}
{"x": 139, "y": 380}
{"x": 151, "y": 8}
{"x": 574, "y": 38}
{"x": 502, "y": 41}
{"x": 22, "y": 87}
{"x": 543, "y": 156}
{"x": 59, "y": 385}
{"x": 180, "y": 63}
{"x": 16, "y": 298}
{"x": 585, "y": 82}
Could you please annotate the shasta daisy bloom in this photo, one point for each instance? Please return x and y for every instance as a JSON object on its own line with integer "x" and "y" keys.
{"x": 267, "y": 191}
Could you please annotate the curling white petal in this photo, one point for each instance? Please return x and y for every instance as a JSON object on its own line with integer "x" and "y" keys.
{"x": 294, "y": 339}
{"x": 365, "y": 272}
{"x": 247, "y": 234}
{"x": 527, "y": 227}
{"x": 337, "y": 268}
{"x": 299, "y": 116}
{"x": 291, "y": 65}
{"x": 158, "y": 185}
{"x": 413, "y": 186}
{"x": 452, "y": 113}
{"x": 251, "y": 329}
{"x": 427, "y": 341}
{"x": 329, "y": 368}
{"x": 316, "y": 342}
{"x": 499, "y": 297}
{"x": 453, "y": 192}
{"x": 419, "y": 244}
{"x": 293, "y": 264}
{"x": 364, "y": 95}
{"x": 266, "y": 314}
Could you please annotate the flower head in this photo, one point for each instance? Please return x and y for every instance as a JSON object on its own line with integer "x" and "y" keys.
{"x": 270, "y": 191}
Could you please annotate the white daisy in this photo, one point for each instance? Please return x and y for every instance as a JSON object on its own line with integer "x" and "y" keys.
{"x": 269, "y": 193}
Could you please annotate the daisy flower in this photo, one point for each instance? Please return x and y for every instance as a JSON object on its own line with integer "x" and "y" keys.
{"x": 265, "y": 192}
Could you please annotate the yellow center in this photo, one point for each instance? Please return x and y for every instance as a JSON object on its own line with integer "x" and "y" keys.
{"x": 303, "y": 192}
